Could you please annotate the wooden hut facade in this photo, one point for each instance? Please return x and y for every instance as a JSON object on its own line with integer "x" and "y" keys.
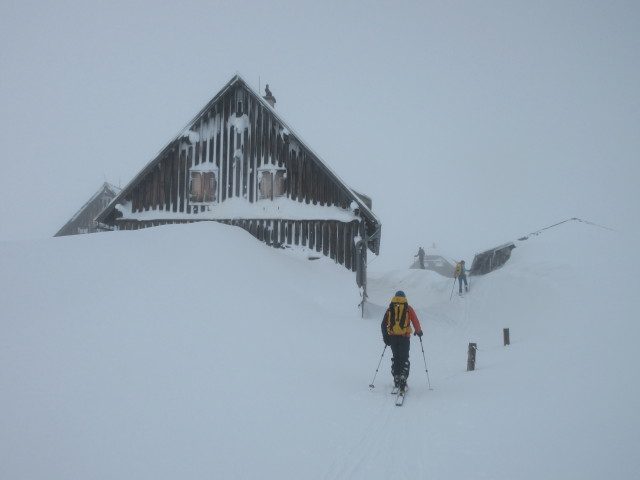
{"x": 238, "y": 163}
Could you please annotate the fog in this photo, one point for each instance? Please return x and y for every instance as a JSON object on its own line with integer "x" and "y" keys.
{"x": 468, "y": 123}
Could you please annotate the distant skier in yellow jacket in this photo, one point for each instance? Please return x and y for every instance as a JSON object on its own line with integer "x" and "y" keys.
{"x": 461, "y": 275}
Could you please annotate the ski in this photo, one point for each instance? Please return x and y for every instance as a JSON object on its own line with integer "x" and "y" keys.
{"x": 400, "y": 398}
{"x": 394, "y": 390}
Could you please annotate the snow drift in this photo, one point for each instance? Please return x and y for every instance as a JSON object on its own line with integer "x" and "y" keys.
{"x": 151, "y": 355}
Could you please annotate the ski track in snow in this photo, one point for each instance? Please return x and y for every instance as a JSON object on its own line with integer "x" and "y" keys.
{"x": 144, "y": 376}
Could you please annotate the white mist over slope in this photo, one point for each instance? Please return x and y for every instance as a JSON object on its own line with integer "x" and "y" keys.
{"x": 193, "y": 351}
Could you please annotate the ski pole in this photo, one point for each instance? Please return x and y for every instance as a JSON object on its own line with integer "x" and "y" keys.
{"x": 452, "y": 287}
{"x": 425, "y": 363}
{"x": 371, "y": 385}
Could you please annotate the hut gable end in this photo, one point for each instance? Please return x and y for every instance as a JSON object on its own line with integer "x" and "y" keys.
{"x": 83, "y": 220}
{"x": 237, "y": 162}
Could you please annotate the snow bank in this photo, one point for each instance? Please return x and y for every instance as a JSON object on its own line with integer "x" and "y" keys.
{"x": 193, "y": 351}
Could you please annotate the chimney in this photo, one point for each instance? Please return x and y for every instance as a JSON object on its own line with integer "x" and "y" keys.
{"x": 269, "y": 97}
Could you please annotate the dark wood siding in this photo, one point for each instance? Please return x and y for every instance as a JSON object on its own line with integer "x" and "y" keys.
{"x": 236, "y": 135}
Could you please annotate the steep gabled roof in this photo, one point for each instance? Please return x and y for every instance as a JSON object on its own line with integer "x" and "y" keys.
{"x": 360, "y": 200}
{"x": 106, "y": 189}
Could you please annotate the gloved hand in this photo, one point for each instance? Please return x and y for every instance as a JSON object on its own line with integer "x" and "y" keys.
{"x": 386, "y": 340}
{"x": 419, "y": 334}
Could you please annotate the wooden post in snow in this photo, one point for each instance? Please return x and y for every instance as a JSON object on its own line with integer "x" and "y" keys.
{"x": 505, "y": 334}
{"x": 471, "y": 357}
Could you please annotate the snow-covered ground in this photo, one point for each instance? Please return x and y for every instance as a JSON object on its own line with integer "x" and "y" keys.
{"x": 195, "y": 352}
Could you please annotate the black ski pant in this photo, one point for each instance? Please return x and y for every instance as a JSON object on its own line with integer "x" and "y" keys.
{"x": 400, "y": 350}
{"x": 462, "y": 278}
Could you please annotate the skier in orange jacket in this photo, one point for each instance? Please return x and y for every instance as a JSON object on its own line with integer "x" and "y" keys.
{"x": 396, "y": 332}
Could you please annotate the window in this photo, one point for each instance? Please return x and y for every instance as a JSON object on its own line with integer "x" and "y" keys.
{"x": 203, "y": 184}
{"x": 271, "y": 183}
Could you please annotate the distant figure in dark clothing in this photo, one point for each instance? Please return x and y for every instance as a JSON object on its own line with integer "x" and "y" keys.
{"x": 420, "y": 256}
{"x": 267, "y": 91}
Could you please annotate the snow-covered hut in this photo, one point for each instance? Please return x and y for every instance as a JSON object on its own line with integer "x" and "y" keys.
{"x": 237, "y": 162}
{"x": 490, "y": 260}
{"x": 83, "y": 221}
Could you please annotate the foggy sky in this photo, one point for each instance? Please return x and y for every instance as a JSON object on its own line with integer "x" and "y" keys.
{"x": 469, "y": 123}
